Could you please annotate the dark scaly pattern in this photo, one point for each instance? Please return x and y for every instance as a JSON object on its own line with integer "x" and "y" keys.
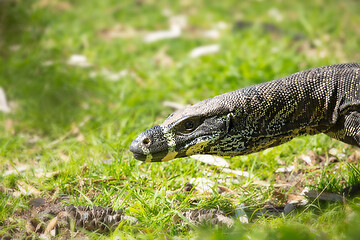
{"x": 201, "y": 216}
{"x": 101, "y": 219}
{"x": 318, "y": 100}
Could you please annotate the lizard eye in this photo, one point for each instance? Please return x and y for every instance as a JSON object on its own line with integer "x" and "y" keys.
{"x": 189, "y": 125}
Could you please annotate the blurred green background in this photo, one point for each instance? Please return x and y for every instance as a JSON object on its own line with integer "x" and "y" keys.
{"x": 82, "y": 80}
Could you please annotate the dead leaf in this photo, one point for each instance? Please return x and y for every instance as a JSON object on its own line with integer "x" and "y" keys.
{"x": 74, "y": 129}
{"x": 336, "y": 153}
{"x": 275, "y": 14}
{"x": 224, "y": 189}
{"x": 63, "y": 156}
{"x": 295, "y": 198}
{"x": 27, "y": 189}
{"x": 110, "y": 75}
{"x": 178, "y": 21}
{"x": 330, "y": 160}
{"x": 285, "y": 169}
{"x": 9, "y": 126}
{"x": 307, "y": 159}
{"x": 84, "y": 169}
{"x": 222, "y": 25}
{"x": 80, "y": 137}
{"x": 4, "y": 107}
{"x": 353, "y": 158}
{"x": 18, "y": 170}
{"x": 203, "y": 185}
{"x": 60, "y": 5}
{"x": 212, "y": 34}
{"x": 40, "y": 173}
{"x": 47, "y": 63}
{"x": 118, "y": 31}
{"x": 173, "y": 32}
{"x": 333, "y": 151}
{"x": 211, "y": 160}
{"x": 138, "y": 79}
{"x": 50, "y": 229}
{"x": 239, "y": 173}
{"x": 279, "y": 196}
{"x": 82, "y": 183}
{"x": 162, "y": 59}
{"x": 204, "y": 50}
{"x": 15, "y": 47}
{"x": 30, "y": 225}
{"x": 241, "y": 214}
{"x": 78, "y": 61}
{"x": 33, "y": 139}
{"x": 227, "y": 180}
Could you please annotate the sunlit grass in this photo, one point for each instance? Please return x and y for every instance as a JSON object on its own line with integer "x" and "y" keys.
{"x": 78, "y": 123}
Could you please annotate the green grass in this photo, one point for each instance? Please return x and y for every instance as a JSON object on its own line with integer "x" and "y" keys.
{"x": 64, "y": 120}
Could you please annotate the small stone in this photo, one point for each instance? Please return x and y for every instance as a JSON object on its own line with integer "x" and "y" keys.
{"x": 37, "y": 202}
{"x": 188, "y": 187}
{"x": 289, "y": 208}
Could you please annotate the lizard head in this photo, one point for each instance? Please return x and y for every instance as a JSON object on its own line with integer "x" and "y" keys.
{"x": 192, "y": 130}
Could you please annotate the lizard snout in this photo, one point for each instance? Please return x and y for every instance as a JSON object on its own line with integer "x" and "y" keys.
{"x": 150, "y": 145}
{"x": 139, "y": 147}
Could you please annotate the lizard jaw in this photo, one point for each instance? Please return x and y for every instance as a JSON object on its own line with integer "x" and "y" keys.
{"x": 143, "y": 148}
{"x": 159, "y": 157}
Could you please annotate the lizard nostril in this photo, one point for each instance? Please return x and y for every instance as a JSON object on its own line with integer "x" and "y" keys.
{"x": 146, "y": 141}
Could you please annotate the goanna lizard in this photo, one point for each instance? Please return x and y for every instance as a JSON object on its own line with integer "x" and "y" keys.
{"x": 319, "y": 100}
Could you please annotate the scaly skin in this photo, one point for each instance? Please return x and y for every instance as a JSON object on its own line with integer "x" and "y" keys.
{"x": 320, "y": 100}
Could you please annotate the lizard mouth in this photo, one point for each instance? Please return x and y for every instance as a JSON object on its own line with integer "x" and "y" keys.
{"x": 155, "y": 157}
{"x": 150, "y": 157}
{"x": 139, "y": 156}
{"x": 150, "y": 146}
